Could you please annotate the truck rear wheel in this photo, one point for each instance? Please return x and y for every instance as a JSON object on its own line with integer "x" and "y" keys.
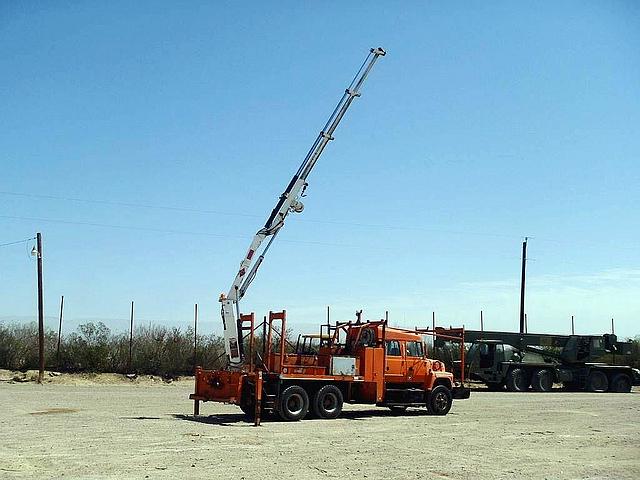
{"x": 517, "y": 380}
{"x": 542, "y": 380}
{"x": 327, "y": 402}
{"x": 294, "y": 403}
{"x": 621, "y": 383}
{"x": 439, "y": 402}
{"x": 597, "y": 382}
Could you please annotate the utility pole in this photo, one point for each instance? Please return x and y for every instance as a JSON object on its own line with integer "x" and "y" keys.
{"x": 481, "y": 322}
{"x": 524, "y": 267}
{"x": 40, "y": 310}
{"x": 613, "y": 330}
{"x": 573, "y": 330}
{"x": 130, "y": 339}
{"x": 59, "y": 331}
{"x": 195, "y": 337}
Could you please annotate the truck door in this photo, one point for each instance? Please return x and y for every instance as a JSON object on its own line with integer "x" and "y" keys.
{"x": 483, "y": 361}
{"x": 395, "y": 368}
{"x": 416, "y": 368}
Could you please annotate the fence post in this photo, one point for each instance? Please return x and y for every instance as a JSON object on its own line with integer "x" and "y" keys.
{"x": 130, "y": 339}
{"x": 195, "y": 338}
{"x": 59, "y": 331}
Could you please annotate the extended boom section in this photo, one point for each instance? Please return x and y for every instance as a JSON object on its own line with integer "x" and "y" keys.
{"x": 288, "y": 202}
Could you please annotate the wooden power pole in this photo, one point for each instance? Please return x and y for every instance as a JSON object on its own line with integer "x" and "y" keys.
{"x": 40, "y": 310}
{"x": 524, "y": 268}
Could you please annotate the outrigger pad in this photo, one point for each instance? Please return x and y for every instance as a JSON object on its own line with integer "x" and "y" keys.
{"x": 461, "y": 393}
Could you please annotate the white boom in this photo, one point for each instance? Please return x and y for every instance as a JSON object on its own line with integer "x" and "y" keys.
{"x": 288, "y": 202}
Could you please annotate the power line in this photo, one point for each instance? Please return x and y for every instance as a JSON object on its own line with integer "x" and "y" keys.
{"x": 161, "y": 230}
{"x": 128, "y": 204}
{"x": 249, "y": 215}
{"x": 415, "y": 228}
{"x": 17, "y": 241}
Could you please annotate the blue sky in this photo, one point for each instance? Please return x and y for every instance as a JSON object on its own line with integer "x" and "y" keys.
{"x": 486, "y": 122}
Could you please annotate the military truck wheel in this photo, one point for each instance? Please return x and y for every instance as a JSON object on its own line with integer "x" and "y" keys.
{"x": 327, "y": 402}
{"x": 597, "y": 382}
{"x": 517, "y": 380}
{"x": 439, "y": 402}
{"x": 294, "y": 403}
{"x": 542, "y": 380}
{"x": 620, "y": 383}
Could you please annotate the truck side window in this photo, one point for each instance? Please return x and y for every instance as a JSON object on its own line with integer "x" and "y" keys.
{"x": 414, "y": 349}
{"x": 393, "y": 348}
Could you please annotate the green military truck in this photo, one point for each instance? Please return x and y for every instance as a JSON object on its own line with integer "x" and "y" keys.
{"x": 520, "y": 361}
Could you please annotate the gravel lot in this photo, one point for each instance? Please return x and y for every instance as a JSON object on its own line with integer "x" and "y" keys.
{"x": 145, "y": 431}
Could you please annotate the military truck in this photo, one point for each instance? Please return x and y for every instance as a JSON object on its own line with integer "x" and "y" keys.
{"x": 520, "y": 361}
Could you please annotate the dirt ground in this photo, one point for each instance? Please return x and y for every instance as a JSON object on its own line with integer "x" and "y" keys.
{"x": 142, "y": 428}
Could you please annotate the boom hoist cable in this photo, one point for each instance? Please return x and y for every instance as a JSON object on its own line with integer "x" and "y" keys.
{"x": 288, "y": 202}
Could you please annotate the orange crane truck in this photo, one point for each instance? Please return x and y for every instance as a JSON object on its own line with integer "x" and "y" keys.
{"x": 359, "y": 362}
{"x": 355, "y": 363}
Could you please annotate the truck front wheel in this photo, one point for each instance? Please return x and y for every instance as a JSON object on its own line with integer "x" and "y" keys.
{"x": 327, "y": 402}
{"x": 542, "y": 380}
{"x": 439, "y": 402}
{"x": 294, "y": 403}
{"x": 597, "y": 382}
{"x": 517, "y": 380}
{"x": 621, "y": 383}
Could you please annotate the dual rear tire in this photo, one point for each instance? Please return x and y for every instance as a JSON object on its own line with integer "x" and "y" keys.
{"x": 518, "y": 380}
{"x": 326, "y": 403}
{"x": 599, "y": 382}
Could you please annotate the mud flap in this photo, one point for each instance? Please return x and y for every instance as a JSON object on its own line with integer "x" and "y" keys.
{"x": 461, "y": 392}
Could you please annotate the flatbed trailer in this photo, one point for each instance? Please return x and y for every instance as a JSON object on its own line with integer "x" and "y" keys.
{"x": 356, "y": 362}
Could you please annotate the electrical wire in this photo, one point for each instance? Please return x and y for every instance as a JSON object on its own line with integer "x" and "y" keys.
{"x": 17, "y": 241}
{"x": 248, "y": 215}
{"x": 160, "y": 230}
{"x": 128, "y": 204}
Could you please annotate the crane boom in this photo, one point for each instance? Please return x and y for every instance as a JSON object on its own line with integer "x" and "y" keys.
{"x": 288, "y": 202}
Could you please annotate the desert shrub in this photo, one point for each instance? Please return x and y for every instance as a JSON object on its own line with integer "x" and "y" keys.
{"x": 157, "y": 350}
{"x": 19, "y": 346}
{"x": 87, "y": 350}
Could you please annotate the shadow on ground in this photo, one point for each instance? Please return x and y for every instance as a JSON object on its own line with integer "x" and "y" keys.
{"x": 226, "y": 419}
